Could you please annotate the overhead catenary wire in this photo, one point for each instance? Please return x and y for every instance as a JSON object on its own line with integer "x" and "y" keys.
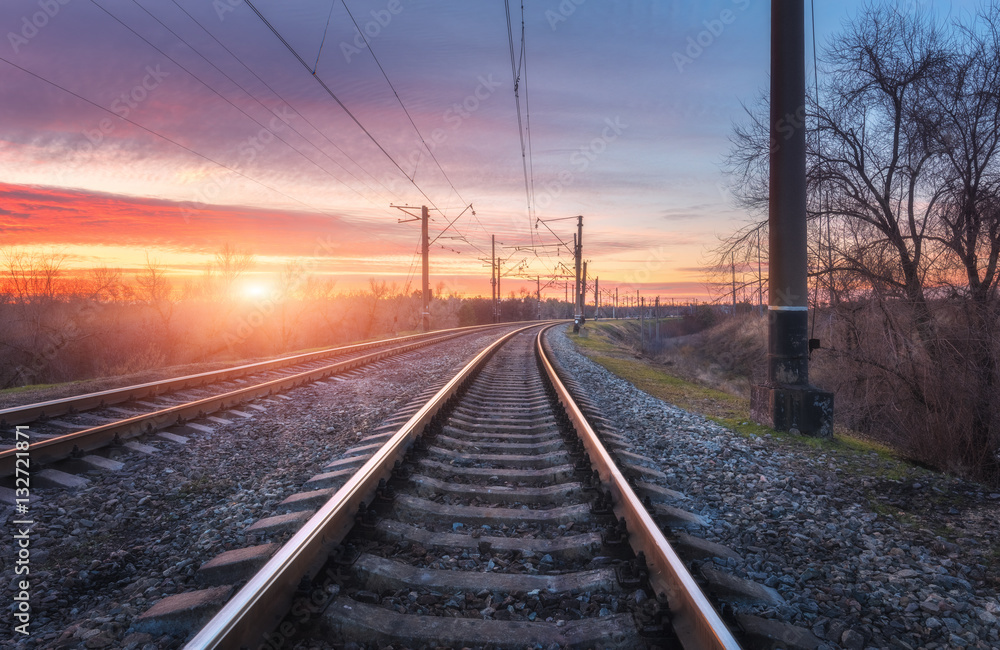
{"x": 326, "y": 29}
{"x": 402, "y": 105}
{"x": 303, "y": 117}
{"x": 515, "y": 70}
{"x": 527, "y": 120}
{"x": 230, "y": 102}
{"x": 214, "y": 90}
{"x": 164, "y": 137}
{"x": 337, "y": 99}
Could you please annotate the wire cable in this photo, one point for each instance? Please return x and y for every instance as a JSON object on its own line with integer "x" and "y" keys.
{"x": 527, "y": 123}
{"x": 403, "y": 106}
{"x": 252, "y": 97}
{"x": 350, "y": 114}
{"x": 164, "y": 137}
{"x": 325, "y": 30}
{"x": 213, "y": 90}
{"x": 289, "y": 104}
{"x": 333, "y": 95}
{"x": 515, "y": 73}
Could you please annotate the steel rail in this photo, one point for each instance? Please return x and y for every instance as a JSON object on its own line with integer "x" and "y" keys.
{"x": 30, "y": 412}
{"x": 254, "y": 610}
{"x": 695, "y": 621}
{"x": 53, "y": 449}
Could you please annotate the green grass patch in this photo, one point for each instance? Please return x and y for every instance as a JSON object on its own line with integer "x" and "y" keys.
{"x": 21, "y": 389}
{"x": 599, "y": 346}
{"x": 601, "y": 343}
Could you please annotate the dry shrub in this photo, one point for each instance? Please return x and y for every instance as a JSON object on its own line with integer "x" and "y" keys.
{"x": 131, "y": 361}
{"x": 928, "y": 390}
{"x": 935, "y": 399}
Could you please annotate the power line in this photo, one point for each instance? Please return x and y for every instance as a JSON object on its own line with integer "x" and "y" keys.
{"x": 420, "y": 136}
{"x": 402, "y": 105}
{"x": 164, "y": 137}
{"x": 325, "y": 30}
{"x": 210, "y": 88}
{"x": 238, "y": 85}
{"x": 515, "y": 70}
{"x": 527, "y": 118}
{"x": 333, "y": 95}
{"x": 289, "y": 104}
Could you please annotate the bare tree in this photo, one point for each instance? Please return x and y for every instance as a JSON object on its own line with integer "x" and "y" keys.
{"x": 379, "y": 289}
{"x": 903, "y": 167}
{"x": 156, "y": 290}
{"x": 107, "y": 285}
{"x": 231, "y": 262}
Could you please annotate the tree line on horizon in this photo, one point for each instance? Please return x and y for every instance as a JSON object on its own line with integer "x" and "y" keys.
{"x": 60, "y": 326}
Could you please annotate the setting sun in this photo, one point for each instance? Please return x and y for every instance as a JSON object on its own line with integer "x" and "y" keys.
{"x": 254, "y": 290}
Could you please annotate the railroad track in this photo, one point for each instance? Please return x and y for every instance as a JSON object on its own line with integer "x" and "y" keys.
{"x": 72, "y": 426}
{"x": 494, "y": 517}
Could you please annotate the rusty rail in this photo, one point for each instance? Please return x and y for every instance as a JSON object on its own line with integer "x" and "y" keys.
{"x": 53, "y": 449}
{"x": 29, "y": 412}
{"x": 260, "y": 604}
{"x": 695, "y": 621}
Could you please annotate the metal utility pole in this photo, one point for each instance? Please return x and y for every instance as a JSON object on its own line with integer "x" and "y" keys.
{"x": 578, "y": 250}
{"x": 657, "y": 320}
{"x": 493, "y": 276}
{"x": 614, "y": 312}
{"x": 597, "y": 296}
{"x": 787, "y": 401}
{"x": 425, "y": 252}
{"x": 642, "y": 325}
{"x": 760, "y": 278}
{"x": 734, "y": 283}
{"x": 499, "y": 296}
{"x": 538, "y": 292}
{"x": 425, "y": 269}
{"x": 583, "y": 294}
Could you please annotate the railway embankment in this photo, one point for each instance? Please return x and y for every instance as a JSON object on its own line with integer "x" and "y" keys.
{"x": 867, "y": 549}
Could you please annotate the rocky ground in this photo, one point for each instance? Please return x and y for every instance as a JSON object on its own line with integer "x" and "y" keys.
{"x": 865, "y": 554}
{"x": 103, "y": 554}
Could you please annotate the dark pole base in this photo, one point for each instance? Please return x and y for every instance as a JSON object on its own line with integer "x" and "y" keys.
{"x": 783, "y": 408}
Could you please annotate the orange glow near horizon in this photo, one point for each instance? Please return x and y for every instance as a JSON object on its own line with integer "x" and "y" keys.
{"x": 87, "y": 230}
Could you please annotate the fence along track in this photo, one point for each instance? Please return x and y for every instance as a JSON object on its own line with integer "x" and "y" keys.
{"x": 494, "y": 472}
{"x": 60, "y": 447}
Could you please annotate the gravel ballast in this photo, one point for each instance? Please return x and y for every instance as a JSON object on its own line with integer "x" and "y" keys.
{"x": 828, "y": 530}
{"x": 102, "y": 555}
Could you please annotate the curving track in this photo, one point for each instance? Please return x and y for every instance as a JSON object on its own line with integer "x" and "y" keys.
{"x": 494, "y": 517}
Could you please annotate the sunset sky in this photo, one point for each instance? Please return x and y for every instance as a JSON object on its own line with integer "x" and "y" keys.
{"x": 172, "y": 127}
